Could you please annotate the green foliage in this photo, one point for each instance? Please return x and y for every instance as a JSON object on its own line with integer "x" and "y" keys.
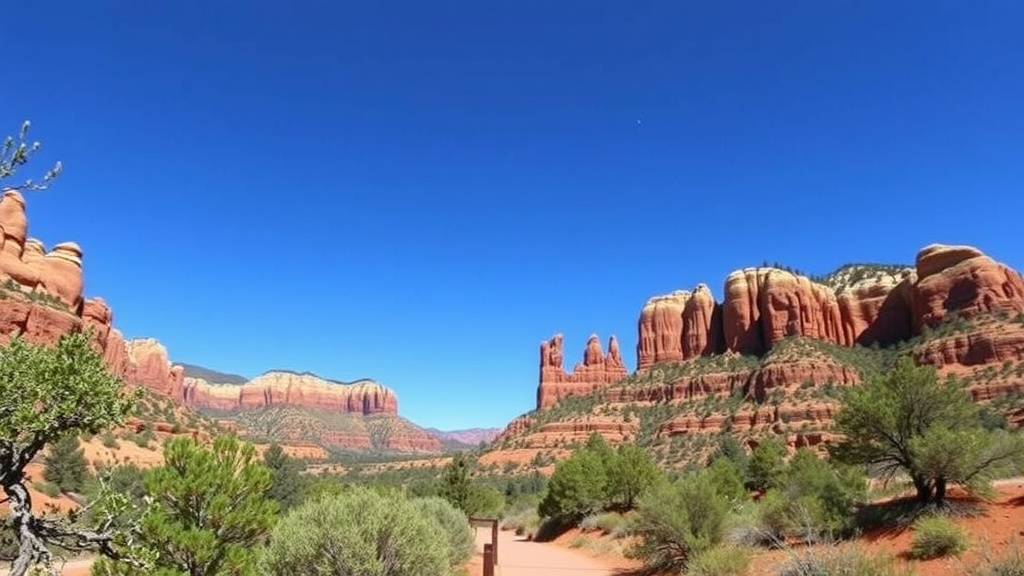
{"x": 52, "y": 391}
{"x": 720, "y": 561}
{"x": 484, "y": 501}
{"x": 367, "y": 535}
{"x": 65, "y": 465}
{"x": 631, "y": 471}
{"x": 455, "y": 482}
{"x": 820, "y": 496}
{"x": 611, "y": 523}
{"x": 907, "y": 420}
{"x": 677, "y": 522}
{"x": 767, "y": 464}
{"x": 209, "y": 510}
{"x": 287, "y": 483}
{"x": 937, "y": 536}
{"x": 48, "y": 488}
{"x": 731, "y": 449}
{"x": 454, "y": 524}
{"x": 724, "y": 476}
{"x": 578, "y": 487}
{"x": 109, "y": 440}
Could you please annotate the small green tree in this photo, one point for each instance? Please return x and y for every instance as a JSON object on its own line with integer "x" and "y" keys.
{"x": 209, "y": 510}
{"x": 48, "y": 393}
{"x": 287, "y": 483}
{"x": 456, "y": 483}
{"x": 578, "y": 486}
{"x": 65, "y": 465}
{"x": 631, "y": 471}
{"x": 767, "y": 464}
{"x": 907, "y": 420}
{"x": 677, "y": 522}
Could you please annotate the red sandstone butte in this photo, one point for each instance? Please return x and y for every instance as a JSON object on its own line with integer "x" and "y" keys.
{"x": 279, "y": 388}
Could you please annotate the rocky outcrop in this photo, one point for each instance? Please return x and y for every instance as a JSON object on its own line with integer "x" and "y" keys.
{"x": 41, "y": 298}
{"x": 963, "y": 280}
{"x": 149, "y": 366}
{"x": 765, "y": 305}
{"x": 280, "y": 388}
{"x": 596, "y": 371}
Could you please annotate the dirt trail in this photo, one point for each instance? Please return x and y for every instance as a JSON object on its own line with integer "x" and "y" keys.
{"x": 519, "y": 557}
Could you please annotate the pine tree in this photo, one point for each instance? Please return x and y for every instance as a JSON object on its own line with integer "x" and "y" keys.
{"x": 287, "y": 483}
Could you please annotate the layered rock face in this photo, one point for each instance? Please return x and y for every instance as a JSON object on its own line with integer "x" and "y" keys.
{"x": 279, "y": 388}
{"x": 41, "y": 299}
{"x": 856, "y": 305}
{"x": 765, "y": 305}
{"x": 595, "y": 371}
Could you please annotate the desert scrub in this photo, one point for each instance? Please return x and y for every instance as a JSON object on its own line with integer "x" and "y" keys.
{"x": 610, "y": 523}
{"x": 835, "y": 560}
{"x": 454, "y": 524}
{"x": 937, "y": 536}
{"x": 720, "y": 561}
{"x": 367, "y": 532}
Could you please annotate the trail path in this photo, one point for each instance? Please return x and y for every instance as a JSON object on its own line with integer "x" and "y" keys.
{"x": 519, "y": 557}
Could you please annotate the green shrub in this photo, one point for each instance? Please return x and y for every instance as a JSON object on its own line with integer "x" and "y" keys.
{"x": 109, "y": 441}
{"x": 767, "y": 464}
{"x": 1011, "y": 564}
{"x": 455, "y": 525}
{"x": 368, "y": 534}
{"x": 611, "y": 523}
{"x": 48, "y": 488}
{"x": 842, "y": 561}
{"x": 66, "y": 466}
{"x": 937, "y": 536}
{"x": 720, "y": 561}
{"x": 676, "y": 522}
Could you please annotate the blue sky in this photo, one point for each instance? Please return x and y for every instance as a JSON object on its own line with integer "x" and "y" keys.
{"x": 420, "y": 192}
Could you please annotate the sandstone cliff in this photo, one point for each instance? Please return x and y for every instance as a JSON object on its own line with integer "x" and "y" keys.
{"x": 769, "y": 357}
{"x": 281, "y": 388}
{"x": 762, "y": 306}
{"x": 41, "y": 298}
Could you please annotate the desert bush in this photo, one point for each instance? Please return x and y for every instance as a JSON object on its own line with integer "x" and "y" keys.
{"x": 109, "y": 441}
{"x": 455, "y": 525}
{"x": 767, "y": 464}
{"x": 48, "y": 488}
{"x": 834, "y": 560}
{"x": 676, "y": 522}
{"x": 1009, "y": 564}
{"x": 66, "y": 466}
{"x": 937, "y": 536}
{"x": 611, "y": 523}
{"x": 369, "y": 534}
{"x": 720, "y": 561}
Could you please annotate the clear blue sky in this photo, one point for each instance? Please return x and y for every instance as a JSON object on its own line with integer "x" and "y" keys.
{"x": 421, "y": 191}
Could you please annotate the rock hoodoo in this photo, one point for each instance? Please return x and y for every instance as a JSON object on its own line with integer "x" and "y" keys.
{"x": 597, "y": 370}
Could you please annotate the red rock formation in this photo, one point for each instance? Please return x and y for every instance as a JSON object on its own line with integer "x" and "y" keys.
{"x": 876, "y": 310}
{"x": 148, "y": 366}
{"x": 661, "y": 329}
{"x": 289, "y": 389}
{"x": 702, "y": 324}
{"x": 962, "y": 279}
{"x": 596, "y": 371}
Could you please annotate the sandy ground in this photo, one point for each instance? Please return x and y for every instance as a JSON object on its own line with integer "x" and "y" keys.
{"x": 520, "y": 557}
